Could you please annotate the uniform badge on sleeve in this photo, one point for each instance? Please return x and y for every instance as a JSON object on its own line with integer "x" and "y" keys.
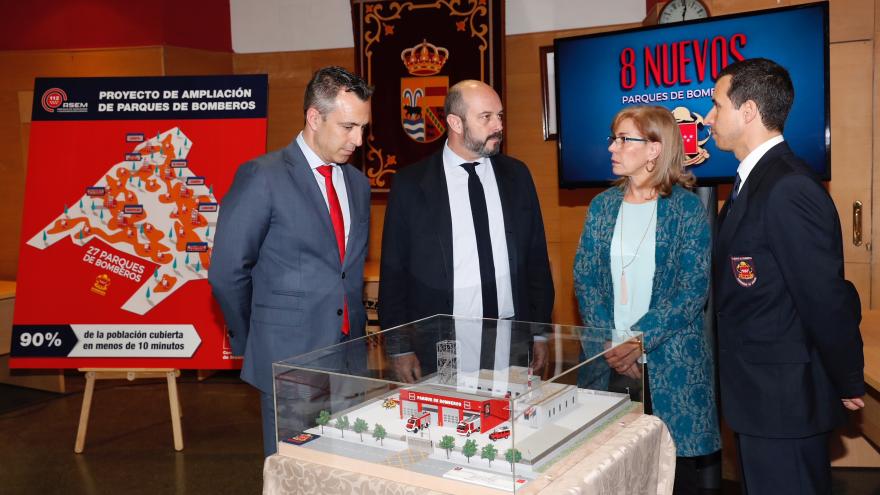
{"x": 743, "y": 270}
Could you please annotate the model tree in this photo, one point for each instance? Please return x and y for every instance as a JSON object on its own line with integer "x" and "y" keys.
{"x": 379, "y": 433}
{"x": 447, "y": 443}
{"x": 489, "y": 452}
{"x": 469, "y": 449}
{"x": 342, "y": 423}
{"x": 512, "y": 456}
{"x": 323, "y": 419}
{"x": 359, "y": 427}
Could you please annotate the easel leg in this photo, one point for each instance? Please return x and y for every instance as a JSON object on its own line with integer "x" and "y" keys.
{"x": 174, "y": 402}
{"x": 84, "y": 413}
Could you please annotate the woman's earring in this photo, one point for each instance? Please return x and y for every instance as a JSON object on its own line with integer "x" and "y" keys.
{"x": 651, "y": 169}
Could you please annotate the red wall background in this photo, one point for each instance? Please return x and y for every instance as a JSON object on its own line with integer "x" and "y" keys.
{"x": 65, "y": 24}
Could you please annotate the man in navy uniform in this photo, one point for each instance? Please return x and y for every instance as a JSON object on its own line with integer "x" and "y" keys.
{"x": 790, "y": 352}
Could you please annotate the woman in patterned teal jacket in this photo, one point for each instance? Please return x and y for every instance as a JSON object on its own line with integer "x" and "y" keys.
{"x": 659, "y": 288}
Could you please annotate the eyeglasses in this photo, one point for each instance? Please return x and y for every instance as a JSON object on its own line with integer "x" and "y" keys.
{"x": 625, "y": 139}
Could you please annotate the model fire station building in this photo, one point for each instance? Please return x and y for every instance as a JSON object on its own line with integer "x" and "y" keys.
{"x": 450, "y": 407}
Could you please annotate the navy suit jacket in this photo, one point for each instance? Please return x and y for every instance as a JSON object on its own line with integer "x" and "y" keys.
{"x": 788, "y": 321}
{"x": 275, "y": 268}
{"x": 416, "y": 278}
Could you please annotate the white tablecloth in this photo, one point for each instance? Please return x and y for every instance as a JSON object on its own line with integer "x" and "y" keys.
{"x": 635, "y": 455}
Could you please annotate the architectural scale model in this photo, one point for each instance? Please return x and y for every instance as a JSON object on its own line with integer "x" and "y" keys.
{"x": 464, "y": 428}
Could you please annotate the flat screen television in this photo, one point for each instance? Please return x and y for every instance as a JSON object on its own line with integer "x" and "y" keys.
{"x": 676, "y": 66}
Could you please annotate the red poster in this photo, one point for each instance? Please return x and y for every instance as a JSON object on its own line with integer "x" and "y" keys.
{"x": 124, "y": 184}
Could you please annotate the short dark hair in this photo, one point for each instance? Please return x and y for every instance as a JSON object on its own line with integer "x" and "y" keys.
{"x": 326, "y": 84}
{"x": 767, "y": 84}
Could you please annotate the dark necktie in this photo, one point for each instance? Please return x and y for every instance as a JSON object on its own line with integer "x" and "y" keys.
{"x": 338, "y": 228}
{"x": 484, "y": 241}
{"x": 735, "y": 191}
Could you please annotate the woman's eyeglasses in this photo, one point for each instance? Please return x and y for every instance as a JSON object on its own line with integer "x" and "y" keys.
{"x": 624, "y": 139}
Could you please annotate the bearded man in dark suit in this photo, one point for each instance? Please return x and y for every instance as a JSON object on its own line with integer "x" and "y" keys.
{"x": 464, "y": 235}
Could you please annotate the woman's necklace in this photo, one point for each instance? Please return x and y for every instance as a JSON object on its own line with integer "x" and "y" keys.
{"x": 624, "y": 297}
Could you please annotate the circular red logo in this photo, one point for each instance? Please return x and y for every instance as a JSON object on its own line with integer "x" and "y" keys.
{"x": 53, "y": 98}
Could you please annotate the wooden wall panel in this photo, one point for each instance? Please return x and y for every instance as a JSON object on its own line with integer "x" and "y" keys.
{"x": 20, "y": 68}
{"x": 177, "y": 61}
{"x": 851, "y": 149}
{"x": 12, "y": 168}
{"x": 875, "y": 178}
{"x": 850, "y": 20}
{"x": 722, "y": 7}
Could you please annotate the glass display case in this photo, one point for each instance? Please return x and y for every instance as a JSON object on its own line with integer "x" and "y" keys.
{"x": 484, "y": 402}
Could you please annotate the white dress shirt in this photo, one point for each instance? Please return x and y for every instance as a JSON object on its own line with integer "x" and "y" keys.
{"x": 467, "y": 287}
{"x": 338, "y": 182}
{"x": 468, "y": 349}
{"x": 745, "y": 167}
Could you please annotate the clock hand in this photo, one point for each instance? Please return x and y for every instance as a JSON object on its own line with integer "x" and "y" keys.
{"x": 684, "y": 12}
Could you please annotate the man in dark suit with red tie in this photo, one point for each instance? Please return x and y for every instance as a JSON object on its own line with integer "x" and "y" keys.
{"x": 790, "y": 351}
{"x": 288, "y": 261}
{"x": 464, "y": 235}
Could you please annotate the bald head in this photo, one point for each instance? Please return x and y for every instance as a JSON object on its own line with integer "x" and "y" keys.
{"x": 455, "y": 99}
{"x": 474, "y": 118}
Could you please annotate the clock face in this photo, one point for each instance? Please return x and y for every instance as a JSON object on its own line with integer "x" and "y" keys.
{"x": 682, "y": 10}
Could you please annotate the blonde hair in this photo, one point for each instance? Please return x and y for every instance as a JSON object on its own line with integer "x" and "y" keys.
{"x": 657, "y": 124}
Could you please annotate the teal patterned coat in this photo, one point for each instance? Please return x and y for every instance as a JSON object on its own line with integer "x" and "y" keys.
{"x": 680, "y": 366}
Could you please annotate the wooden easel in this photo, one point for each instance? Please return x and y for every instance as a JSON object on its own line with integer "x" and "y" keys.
{"x": 93, "y": 374}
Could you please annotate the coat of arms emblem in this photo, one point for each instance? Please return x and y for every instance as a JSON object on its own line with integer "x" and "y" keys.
{"x": 422, "y": 97}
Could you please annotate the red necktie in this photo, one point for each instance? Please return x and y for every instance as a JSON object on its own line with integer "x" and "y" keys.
{"x": 338, "y": 228}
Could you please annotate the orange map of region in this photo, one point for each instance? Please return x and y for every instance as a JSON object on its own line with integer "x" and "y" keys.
{"x": 148, "y": 211}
